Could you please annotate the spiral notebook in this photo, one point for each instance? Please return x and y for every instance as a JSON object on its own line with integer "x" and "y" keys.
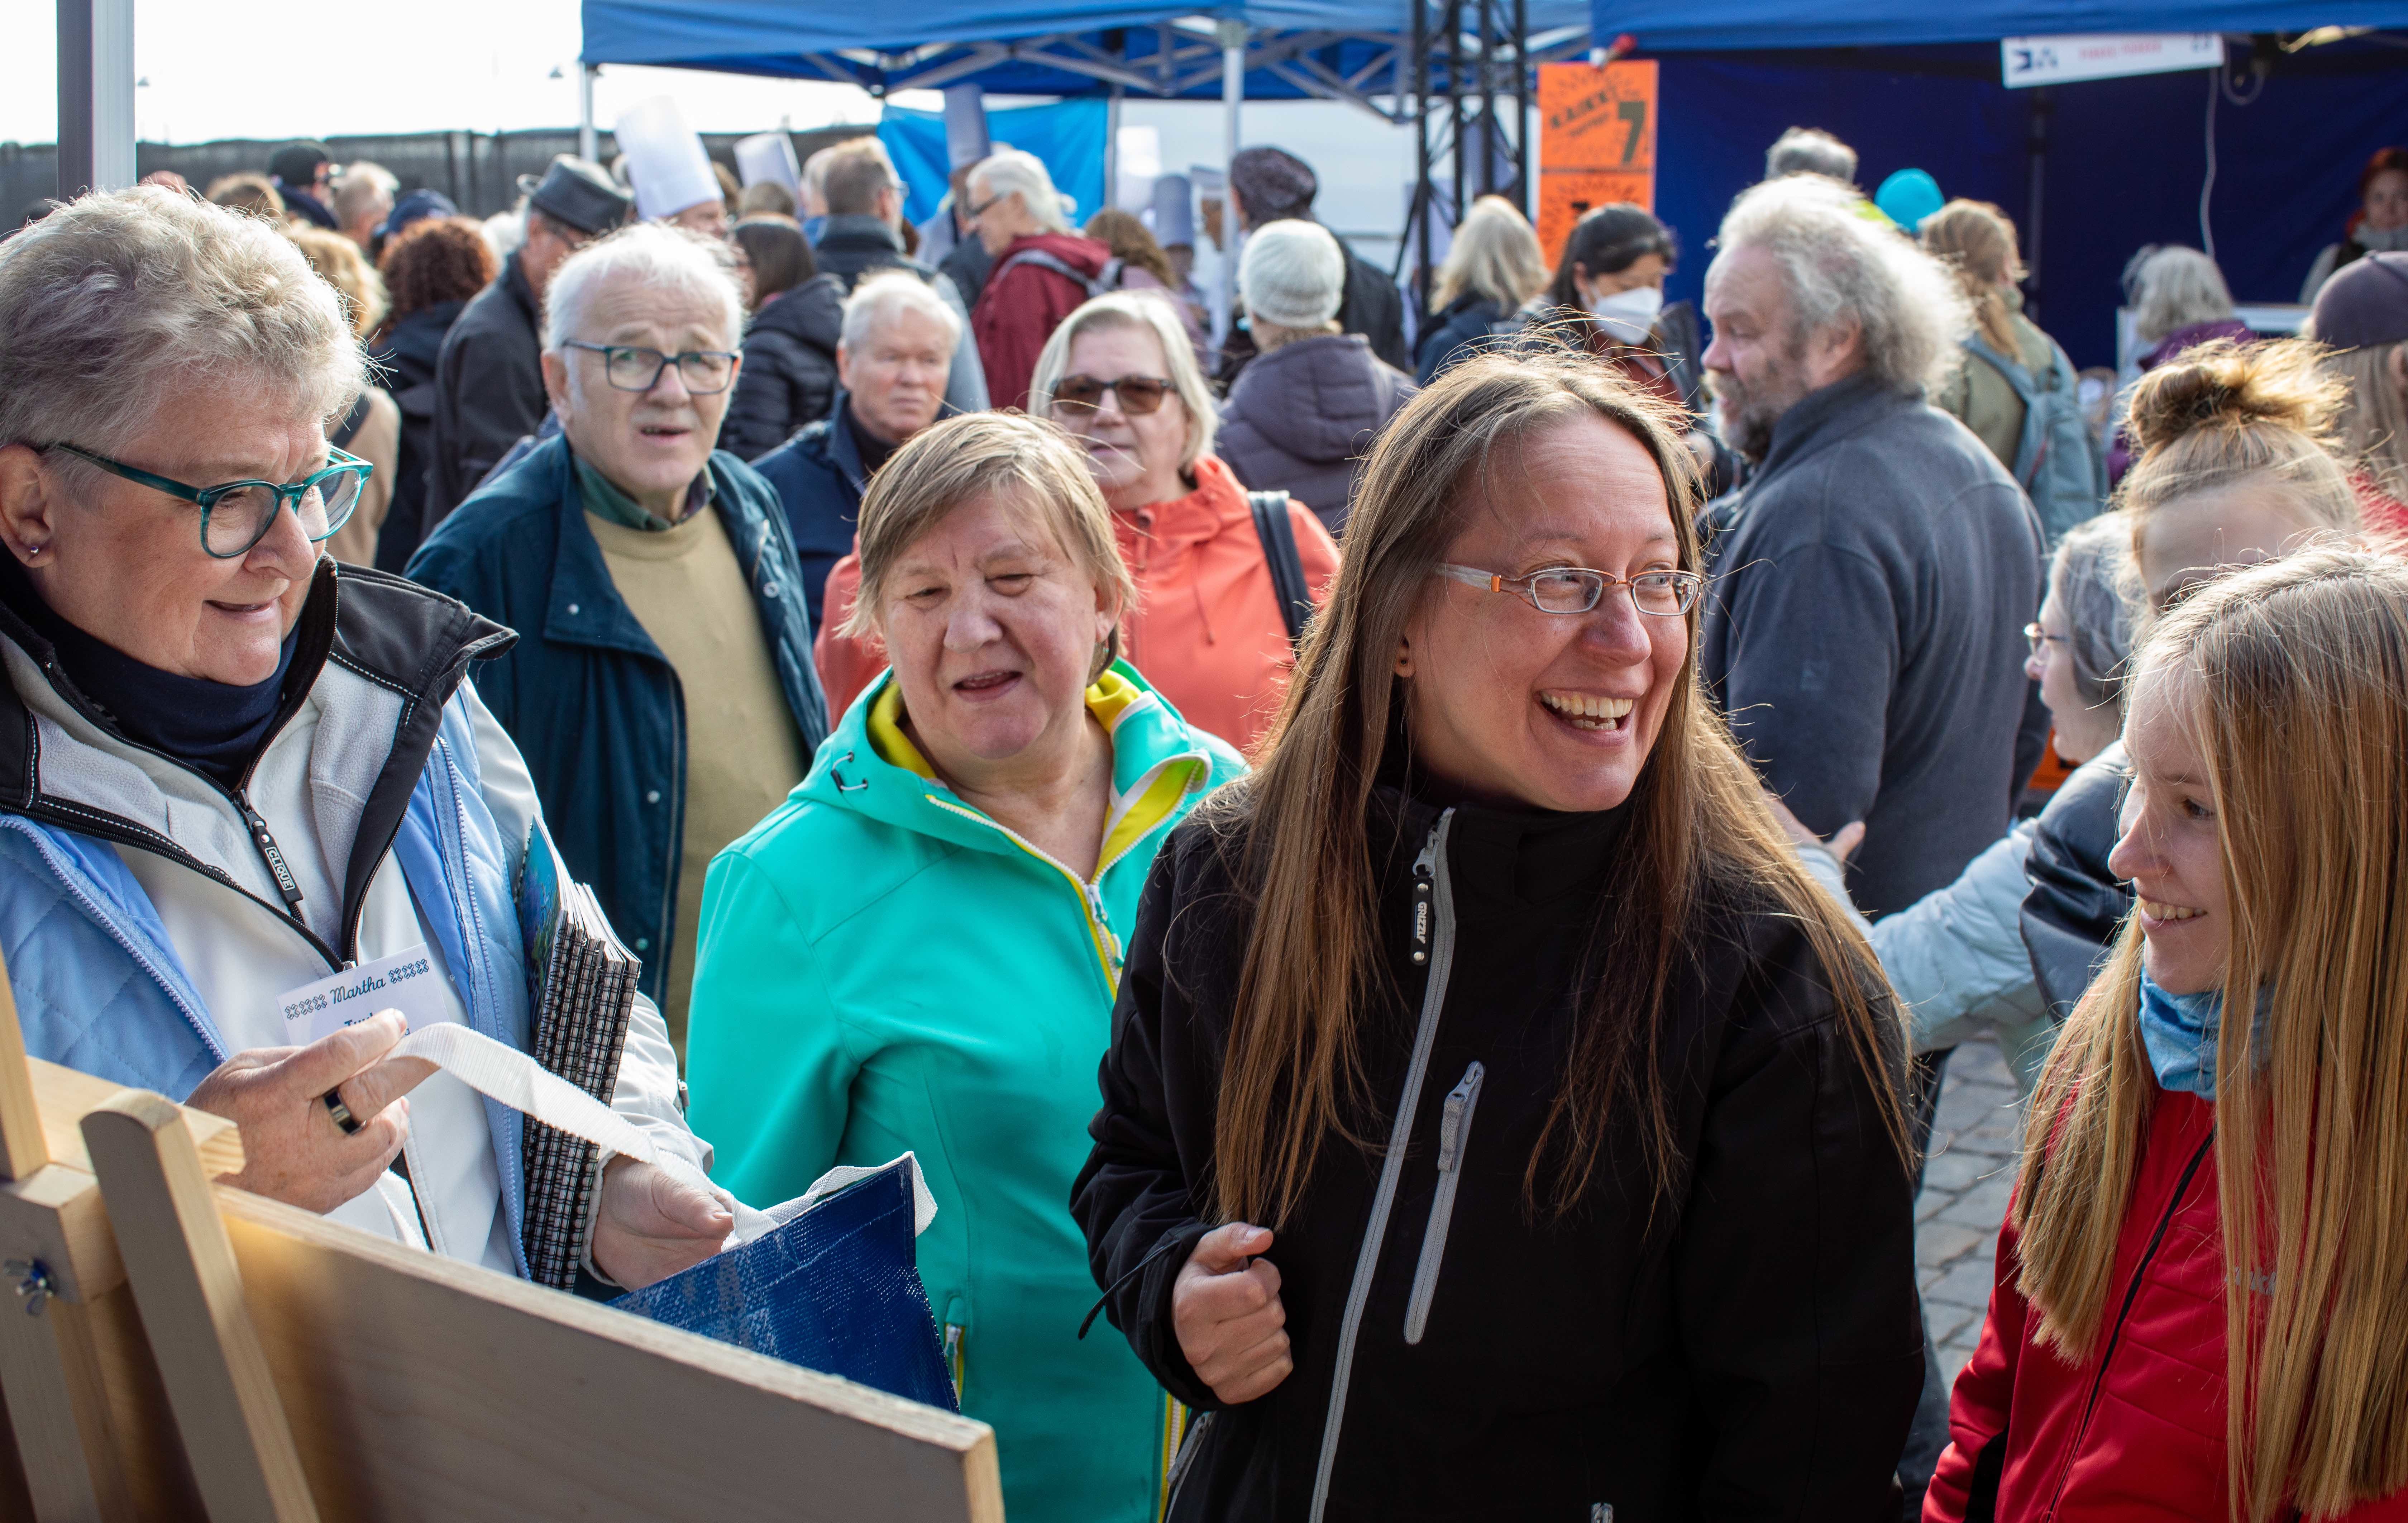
{"x": 580, "y": 992}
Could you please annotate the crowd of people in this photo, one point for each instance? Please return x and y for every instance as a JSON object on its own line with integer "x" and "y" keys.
{"x": 1435, "y": 865}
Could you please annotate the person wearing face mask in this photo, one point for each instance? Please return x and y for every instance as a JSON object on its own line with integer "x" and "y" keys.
{"x": 1498, "y": 1121}
{"x": 2202, "y": 1307}
{"x": 1208, "y": 628}
{"x": 895, "y": 345}
{"x": 918, "y": 949}
{"x": 662, "y": 687}
{"x": 2379, "y": 226}
{"x": 1608, "y": 295}
{"x": 2232, "y": 466}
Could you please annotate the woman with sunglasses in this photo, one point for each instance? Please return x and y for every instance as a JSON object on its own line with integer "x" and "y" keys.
{"x": 1207, "y": 629}
{"x": 236, "y": 768}
{"x": 1498, "y": 1121}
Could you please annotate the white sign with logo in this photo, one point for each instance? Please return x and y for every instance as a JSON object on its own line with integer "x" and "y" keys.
{"x": 406, "y": 982}
{"x": 2040, "y": 61}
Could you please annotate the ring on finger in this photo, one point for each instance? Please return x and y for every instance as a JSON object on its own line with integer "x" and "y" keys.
{"x": 342, "y": 1113}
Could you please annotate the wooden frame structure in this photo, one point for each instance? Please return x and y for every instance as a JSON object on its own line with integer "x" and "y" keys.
{"x": 179, "y": 1349}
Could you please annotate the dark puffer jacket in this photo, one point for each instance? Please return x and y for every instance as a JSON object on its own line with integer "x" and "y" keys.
{"x": 1301, "y": 420}
{"x": 1749, "y": 1349}
{"x": 789, "y": 376}
{"x": 1469, "y": 324}
{"x": 2076, "y": 905}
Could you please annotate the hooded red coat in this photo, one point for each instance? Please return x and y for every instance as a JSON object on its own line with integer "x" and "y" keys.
{"x": 1019, "y": 309}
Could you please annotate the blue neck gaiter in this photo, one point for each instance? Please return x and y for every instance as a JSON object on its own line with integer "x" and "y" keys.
{"x": 2180, "y": 1032}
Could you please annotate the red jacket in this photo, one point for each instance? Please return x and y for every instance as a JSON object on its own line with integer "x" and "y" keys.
{"x": 1018, "y": 309}
{"x": 1206, "y": 631}
{"x": 2135, "y": 1432}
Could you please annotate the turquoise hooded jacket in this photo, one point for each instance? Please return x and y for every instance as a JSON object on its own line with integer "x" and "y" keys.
{"x": 886, "y": 967}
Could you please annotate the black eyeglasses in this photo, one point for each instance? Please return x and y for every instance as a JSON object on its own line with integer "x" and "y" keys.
{"x": 237, "y": 515}
{"x": 1138, "y": 395}
{"x": 632, "y": 368}
{"x": 980, "y": 210}
{"x": 1573, "y": 589}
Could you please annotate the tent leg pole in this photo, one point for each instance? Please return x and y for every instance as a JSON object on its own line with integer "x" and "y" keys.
{"x": 588, "y": 140}
{"x": 1233, "y": 94}
{"x": 95, "y": 96}
{"x": 1112, "y": 149}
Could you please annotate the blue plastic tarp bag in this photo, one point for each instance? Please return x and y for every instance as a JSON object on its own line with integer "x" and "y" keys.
{"x": 836, "y": 1290}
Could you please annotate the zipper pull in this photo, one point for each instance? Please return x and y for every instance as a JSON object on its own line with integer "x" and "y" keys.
{"x": 285, "y": 885}
{"x": 1425, "y": 868}
{"x": 1450, "y": 1126}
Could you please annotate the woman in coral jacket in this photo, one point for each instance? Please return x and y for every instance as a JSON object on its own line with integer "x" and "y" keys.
{"x": 1207, "y": 629}
{"x": 2144, "y": 1284}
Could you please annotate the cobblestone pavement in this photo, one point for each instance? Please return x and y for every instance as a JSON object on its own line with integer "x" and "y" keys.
{"x": 1965, "y": 1185}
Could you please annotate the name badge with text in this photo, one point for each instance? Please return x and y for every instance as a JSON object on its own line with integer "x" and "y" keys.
{"x": 408, "y": 982}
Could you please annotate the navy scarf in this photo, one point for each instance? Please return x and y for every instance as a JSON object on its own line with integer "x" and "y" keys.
{"x": 215, "y": 729}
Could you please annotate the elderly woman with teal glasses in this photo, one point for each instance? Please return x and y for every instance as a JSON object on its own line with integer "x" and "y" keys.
{"x": 920, "y": 950}
{"x": 235, "y": 769}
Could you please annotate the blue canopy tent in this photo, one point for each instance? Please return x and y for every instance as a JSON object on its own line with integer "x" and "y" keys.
{"x": 1292, "y": 49}
{"x": 2090, "y": 171}
{"x": 1347, "y": 50}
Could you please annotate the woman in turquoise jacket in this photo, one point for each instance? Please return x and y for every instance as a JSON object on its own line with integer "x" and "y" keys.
{"x": 920, "y": 949}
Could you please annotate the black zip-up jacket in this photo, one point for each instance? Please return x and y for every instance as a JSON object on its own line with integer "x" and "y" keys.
{"x": 1753, "y": 1352}
{"x": 789, "y": 376}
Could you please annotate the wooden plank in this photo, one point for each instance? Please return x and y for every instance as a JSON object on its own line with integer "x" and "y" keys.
{"x": 418, "y": 1386}
{"x": 191, "y": 1296}
{"x": 55, "y": 1218}
{"x": 39, "y": 1387}
{"x": 64, "y": 1097}
{"x": 22, "y": 1148}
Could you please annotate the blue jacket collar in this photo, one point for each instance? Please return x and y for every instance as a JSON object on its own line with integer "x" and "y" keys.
{"x": 843, "y": 449}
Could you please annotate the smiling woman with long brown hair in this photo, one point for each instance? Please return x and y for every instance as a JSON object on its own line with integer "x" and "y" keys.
{"x": 1497, "y": 1122}
{"x": 2203, "y": 1301}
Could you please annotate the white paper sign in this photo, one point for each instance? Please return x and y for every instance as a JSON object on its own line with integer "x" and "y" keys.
{"x": 2106, "y": 55}
{"x": 408, "y": 982}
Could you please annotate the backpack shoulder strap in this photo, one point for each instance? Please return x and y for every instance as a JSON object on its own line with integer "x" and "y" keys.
{"x": 2016, "y": 376}
{"x": 1278, "y": 533}
{"x": 1063, "y": 267}
{"x": 353, "y": 421}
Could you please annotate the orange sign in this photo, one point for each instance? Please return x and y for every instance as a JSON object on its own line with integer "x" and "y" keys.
{"x": 1596, "y": 142}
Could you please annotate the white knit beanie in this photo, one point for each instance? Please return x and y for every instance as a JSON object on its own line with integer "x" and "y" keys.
{"x": 1293, "y": 274}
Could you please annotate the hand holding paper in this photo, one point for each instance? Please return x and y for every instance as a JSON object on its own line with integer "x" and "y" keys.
{"x": 293, "y": 1152}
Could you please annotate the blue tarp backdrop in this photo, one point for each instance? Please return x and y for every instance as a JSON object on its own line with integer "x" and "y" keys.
{"x": 1726, "y": 25}
{"x": 1068, "y": 136}
{"x": 2124, "y": 163}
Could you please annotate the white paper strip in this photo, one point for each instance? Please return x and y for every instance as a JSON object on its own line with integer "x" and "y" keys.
{"x": 510, "y": 1076}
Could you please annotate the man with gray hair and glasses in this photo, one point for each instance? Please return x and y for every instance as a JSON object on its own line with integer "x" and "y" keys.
{"x": 661, "y": 688}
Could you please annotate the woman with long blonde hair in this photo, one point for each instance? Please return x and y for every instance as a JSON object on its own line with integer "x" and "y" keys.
{"x": 2202, "y": 1301}
{"x": 1498, "y": 1121}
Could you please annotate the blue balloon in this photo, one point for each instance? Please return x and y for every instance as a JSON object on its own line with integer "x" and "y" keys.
{"x": 1908, "y": 196}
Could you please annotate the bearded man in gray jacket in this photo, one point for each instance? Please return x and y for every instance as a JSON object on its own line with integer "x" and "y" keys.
{"x": 1873, "y": 577}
